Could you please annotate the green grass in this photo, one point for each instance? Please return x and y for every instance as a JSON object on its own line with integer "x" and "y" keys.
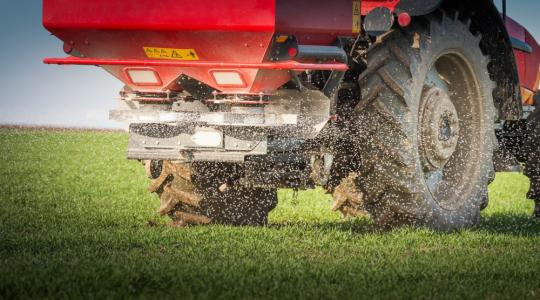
{"x": 74, "y": 222}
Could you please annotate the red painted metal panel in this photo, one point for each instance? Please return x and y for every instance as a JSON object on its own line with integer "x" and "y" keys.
{"x": 162, "y": 15}
{"x": 319, "y": 22}
{"x": 533, "y": 64}
{"x": 265, "y": 77}
{"x": 369, "y": 5}
{"x": 228, "y": 31}
{"x": 528, "y": 63}
{"x": 283, "y": 65}
{"x": 237, "y": 34}
{"x": 315, "y": 22}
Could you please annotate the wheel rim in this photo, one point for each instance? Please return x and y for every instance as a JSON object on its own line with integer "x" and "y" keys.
{"x": 450, "y": 130}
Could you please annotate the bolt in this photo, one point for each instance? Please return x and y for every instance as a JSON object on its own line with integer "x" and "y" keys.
{"x": 157, "y": 142}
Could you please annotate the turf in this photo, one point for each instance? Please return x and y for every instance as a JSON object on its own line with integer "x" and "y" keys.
{"x": 76, "y": 222}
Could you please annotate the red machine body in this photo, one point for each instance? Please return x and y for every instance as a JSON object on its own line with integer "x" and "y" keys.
{"x": 223, "y": 35}
{"x": 217, "y": 31}
{"x": 527, "y": 60}
{"x": 229, "y": 83}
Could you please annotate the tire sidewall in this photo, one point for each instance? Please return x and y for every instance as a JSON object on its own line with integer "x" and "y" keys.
{"x": 452, "y": 36}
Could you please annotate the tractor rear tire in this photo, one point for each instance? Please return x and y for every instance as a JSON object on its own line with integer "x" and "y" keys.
{"x": 208, "y": 193}
{"x": 425, "y": 126}
{"x": 532, "y": 165}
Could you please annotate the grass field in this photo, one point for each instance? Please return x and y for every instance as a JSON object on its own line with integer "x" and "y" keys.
{"x": 75, "y": 222}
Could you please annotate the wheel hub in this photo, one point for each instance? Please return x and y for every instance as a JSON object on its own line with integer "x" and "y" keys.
{"x": 439, "y": 128}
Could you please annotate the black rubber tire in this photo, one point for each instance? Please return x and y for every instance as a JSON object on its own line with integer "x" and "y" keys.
{"x": 391, "y": 175}
{"x": 532, "y": 164}
{"x": 209, "y": 193}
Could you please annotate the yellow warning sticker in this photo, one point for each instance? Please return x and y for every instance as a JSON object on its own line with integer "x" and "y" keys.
{"x": 171, "y": 53}
{"x": 356, "y": 16}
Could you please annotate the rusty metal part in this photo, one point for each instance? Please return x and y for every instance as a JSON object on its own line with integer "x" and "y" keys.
{"x": 348, "y": 199}
{"x": 439, "y": 128}
{"x": 207, "y": 193}
{"x": 191, "y": 219}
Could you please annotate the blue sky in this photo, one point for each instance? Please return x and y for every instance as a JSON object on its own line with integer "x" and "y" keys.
{"x": 38, "y": 94}
{"x": 34, "y": 93}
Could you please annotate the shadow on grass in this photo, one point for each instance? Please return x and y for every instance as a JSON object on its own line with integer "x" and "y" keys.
{"x": 362, "y": 225}
{"x": 510, "y": 224}
{"x": 501, "y": 223}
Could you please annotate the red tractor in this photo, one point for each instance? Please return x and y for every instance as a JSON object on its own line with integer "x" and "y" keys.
{"x": 397, "y": 107}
